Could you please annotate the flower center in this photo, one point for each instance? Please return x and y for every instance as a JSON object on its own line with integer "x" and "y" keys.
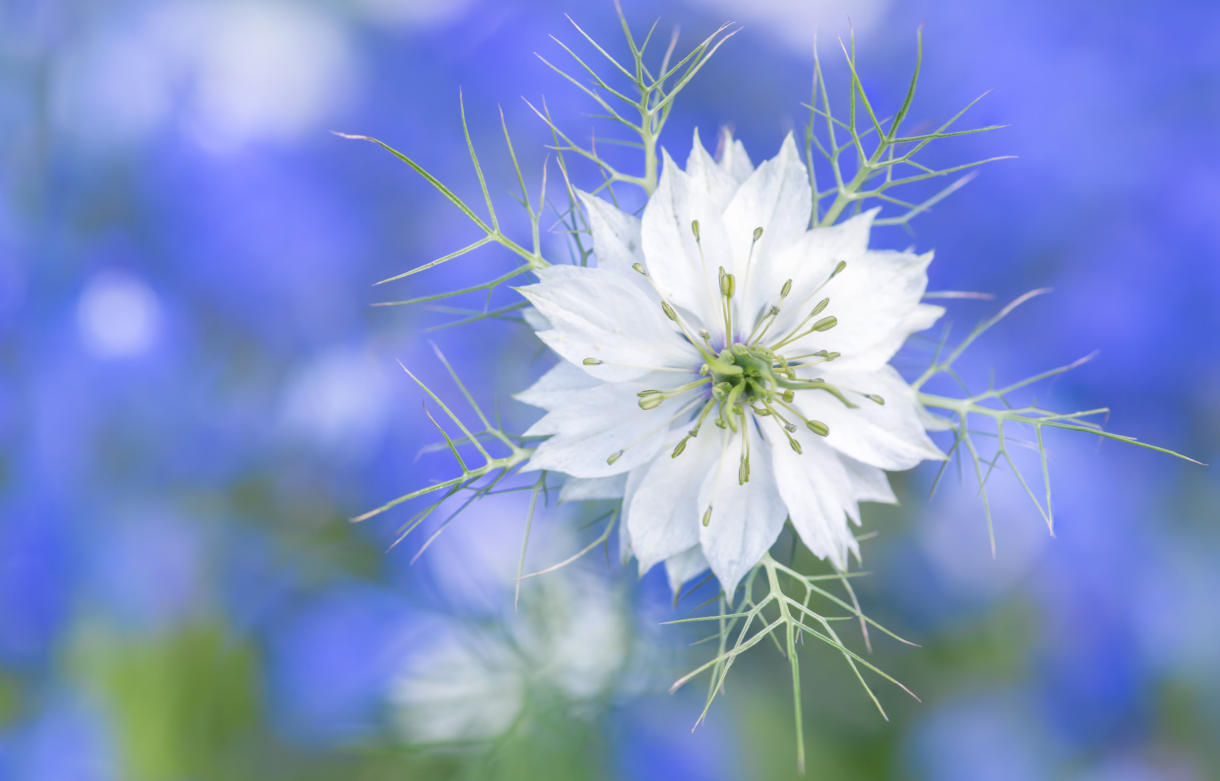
{"x": 745, "y": 374}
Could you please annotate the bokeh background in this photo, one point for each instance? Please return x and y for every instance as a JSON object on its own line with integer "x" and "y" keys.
{"x": 195, "y": 395}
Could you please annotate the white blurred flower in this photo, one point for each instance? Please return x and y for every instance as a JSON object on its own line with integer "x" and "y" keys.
{"x": 571, "y": 645}
{"x": 338, "y": 402}
{"x": 413, "y": 13}
{"x": 234, "y": 71}
{"x": 794, "y": 24}
{"x": 118, "y": 315}
{"x": 720, "y": 313}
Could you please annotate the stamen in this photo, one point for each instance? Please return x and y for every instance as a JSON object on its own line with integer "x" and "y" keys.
{"x": 727, "y": 287}
{"x": 771, "y": 316}
{"x": 825, "y": 324}
{"x": 727, "y": 284}
{"x": 743, "y": 469}
{"x": 600, "y": 362}
{"x": 817, "y": 385}
{"x": 825, "y": 355}
{"x": 651, "y": 399}
{"x": 694, "y": 432}
{"x": 672, "y": 314}
{"x": 758, "y": 232}
{"x": 792, "y": 335}
{"x": 818, "y": 427}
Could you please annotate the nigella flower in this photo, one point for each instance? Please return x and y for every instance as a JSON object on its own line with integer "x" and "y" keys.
{"x": 726, "y": 367}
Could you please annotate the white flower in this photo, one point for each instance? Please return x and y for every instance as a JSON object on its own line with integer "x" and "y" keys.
{"x": 725, "y": 367}
{"x": 471, "y": 682}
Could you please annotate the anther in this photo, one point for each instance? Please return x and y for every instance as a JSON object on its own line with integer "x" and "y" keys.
{"x": 639, "y": 267}
{"x": 758, "y": 232}
{"x": 651, "y": 401}
{"x": 694, "y": 228}
{"x": 826, "y": 323}
{"x": 825, "y": 302}
{"x": 707, "y": 515}
{"x": 727, "y": 284}
{"x": 795, "y": 445}
{"x": 874, "y": 398}
{"x": 838, "y": 269}
{"x": 592, "y": 362}
{"x": 668, "y": 309}
{"x": 818, "y": 427}
{"x": 681, "y": 446}
{"x": 786, "y": 289}
{"x": 615, "y": 456}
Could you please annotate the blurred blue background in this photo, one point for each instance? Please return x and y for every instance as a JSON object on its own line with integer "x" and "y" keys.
{"x": 195, "y": 394}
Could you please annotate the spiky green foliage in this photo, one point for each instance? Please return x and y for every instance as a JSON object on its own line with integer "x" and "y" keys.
{"x": 478, "y": 477}
{"x": 529, "y": 251}
{"x": 783, "y": 605}
{"x": 973, "y": 411}
{"x": 637, "y": 100}
{"x": 879, "y": 158}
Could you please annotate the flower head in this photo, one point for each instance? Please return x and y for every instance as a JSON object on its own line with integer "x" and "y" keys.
{"x": 726, "y": 366}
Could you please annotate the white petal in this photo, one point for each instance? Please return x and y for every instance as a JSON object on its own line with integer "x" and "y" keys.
{"x": 684, "y": 566}
{"x": 817, "y": 491}
{"x": 887, "y": 435}
{"x": 869, "y": 484}
{"x": 745, "y": 518}
{"x": 556, "y": 386}
{"x": 596, "y": 313}
{"x": 733, "y": 158}
{"x": 709, "y": 176}
{"x": 685, "y": 271}
{"x": 576, "y": 489}
{"x": 534, "y": 319}
{"x": 634, "y": 478}
{"x": 616, "y": 234}
{"x": 663, "y": 516}
{"x": 876, "y": 300}
{"x": 776, "y": 198}
{"x": 588, "y": 428}
{"x": 933, "y": 422}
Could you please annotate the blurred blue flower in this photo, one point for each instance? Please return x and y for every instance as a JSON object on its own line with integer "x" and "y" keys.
{"x": 329, "y": 660}
{"x": 66, "y": 739}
